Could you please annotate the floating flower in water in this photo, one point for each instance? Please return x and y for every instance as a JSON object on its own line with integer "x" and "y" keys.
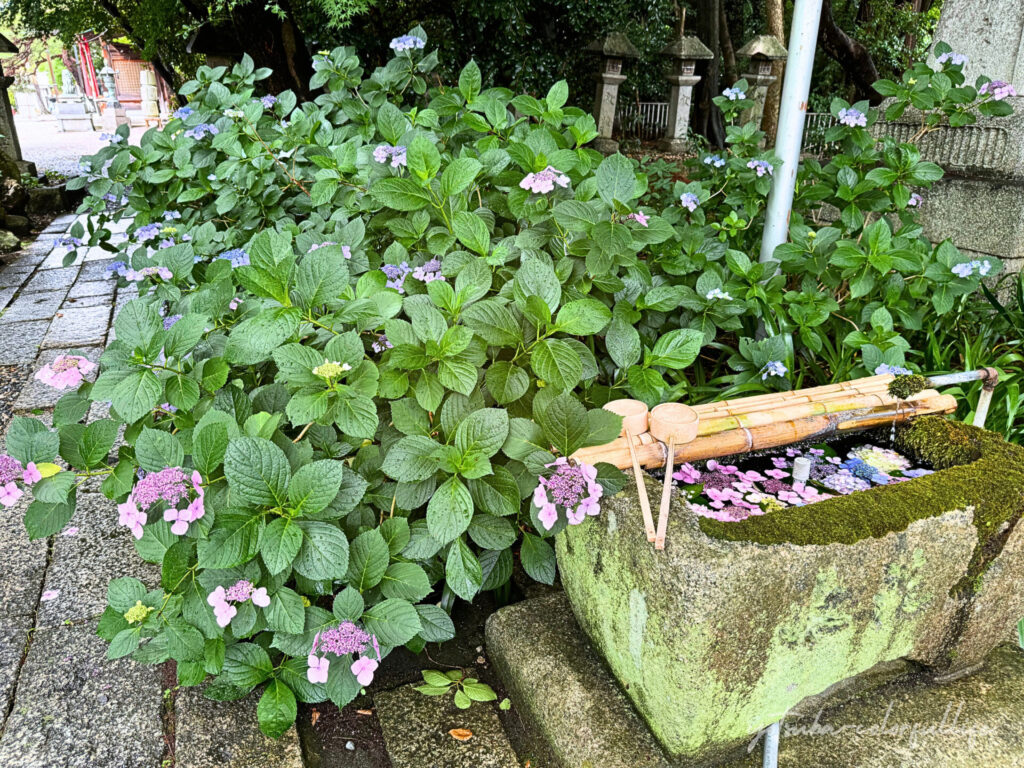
{"x": 845, "y": 482}
{"x": 773, "y": 368}
{"x": 574, "y": 487}
{"x": 65, "y": 371}
{"x": 407, "y": 43}
{"x": 385, "y": 152}
{"x": 884, "y": 459}
{"x": 854, "y": 118}
{"x": 544, "y": 181}
{"x": 761, "y": 167}
{"x": 717, "y": 293}
{"x": 714, "y": 160}
{"x": 689, "y": 201}
{"x": 688, "y": 474}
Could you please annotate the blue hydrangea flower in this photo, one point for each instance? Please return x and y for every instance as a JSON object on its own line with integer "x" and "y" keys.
{"x": 237, "y": 257}
{"x": 853, "y": 118}
{"x": 895, "y": 370}
{"x": 773, "y": 368}
{"x": 147, "y": 232}
{"x": 761, "y": 167}
{"x": 202, "y": 130}
{"x": 714, "y": 160}
{"x": 406, "y": 43}
{"x": 734, "y": 94}
{"x": 689, "y": 200}
{"x": 268, "y": 101}
{"x": 182, "y": 112}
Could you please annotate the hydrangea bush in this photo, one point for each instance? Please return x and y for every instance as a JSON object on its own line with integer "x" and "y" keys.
{"x": 372, "y": 328}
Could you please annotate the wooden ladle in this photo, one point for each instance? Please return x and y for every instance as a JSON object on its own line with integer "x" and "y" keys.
{"x": 673, "y": 424}
{"x": 634, "y": 422}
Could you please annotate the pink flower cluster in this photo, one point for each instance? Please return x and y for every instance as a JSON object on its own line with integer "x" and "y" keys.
{"x": 544, "y": 181}
{"x": 65, "y": 371}
{"x": 10, "y": 471}
{"x": 241, "y": 591}
{"x": 574, "y": 487}
{"x": 344, "y": 639}
{"x": 169, "y": 486}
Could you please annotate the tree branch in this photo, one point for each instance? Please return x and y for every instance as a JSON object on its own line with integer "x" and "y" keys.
{"x": 851, "y": 55}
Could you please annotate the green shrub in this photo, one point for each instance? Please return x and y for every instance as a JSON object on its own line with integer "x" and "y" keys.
{"x": 367, "y": 324}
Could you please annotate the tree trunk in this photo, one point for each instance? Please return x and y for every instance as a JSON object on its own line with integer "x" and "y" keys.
{"x": 776, "y": 12}
{"x": 851, "y": 55}
{"x": 707, "y": 118}
{"x": 278, "y": 44}
{"x": 731, "y": 72}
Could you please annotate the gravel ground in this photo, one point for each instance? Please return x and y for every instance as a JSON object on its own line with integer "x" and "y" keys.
{"x": 43, "y": 144}
{"x": 12, "y": 379}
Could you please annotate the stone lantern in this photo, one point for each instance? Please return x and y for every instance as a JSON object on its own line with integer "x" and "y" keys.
{"x": 113, "y": 111}
{"x": 761, "y": 52}
{"x": 613, "y": 48}
{"x": 683, "y": 53}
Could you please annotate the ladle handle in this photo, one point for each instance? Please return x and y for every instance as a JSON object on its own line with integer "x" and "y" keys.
{"x": 641, "y": 489}
{"x": 666, "y": 496}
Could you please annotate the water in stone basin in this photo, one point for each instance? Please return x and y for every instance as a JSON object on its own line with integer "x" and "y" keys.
{"x": 735, "y": 488}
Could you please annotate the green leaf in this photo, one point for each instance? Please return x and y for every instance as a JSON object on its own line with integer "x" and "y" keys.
{"x": 315, "y": 485}
{"x": 677, "y": 349}
{"x": 470, "y": 82}
{"x": 124, "y": 643}
{"x": 124, "y": 592}
{"x": 564, "y": 421}
{"x": 55, "y": 489}
{"x": 246, "y": 665}
{"x": 280, "y": 544}
{"x": 458, "y": 175}
{"x": 472, "y": 232}
{"x": 136, "y": 395}
{"x": 368, "y": 560}
{"x": 557, "y": 363}
{"x": 493, "y": 322}
{"x": 407, "y": 581}
{"x": 136, "y": 324}
{"x": 462, "y": 570}
{"x": 30, "y": 440}
{"x": 583, "y": 317}
{"x": 411, "y": 459}
{"x": 399, "y": 194}
{"x": 394, "y": 622}
{"x": 423, "y": 159}
{"x": 257, "y": 471}
{"x": 483, "y": 431}
{"x": 436, "y": 625}
{"x": 348, "y": 605}
{"x": 156, "y": 449}
{"x": 538, "y": 559}
{"x": 623, "y": 343}
{"x": 616, "y": 180}
{"x": 449, "y": 511}
{"x": 208, "y": 447}
{"x": 277, "y": 709}
{"x": 85, "y": 447}
{"x": 490, "y": 532}
{"x": 43, "y": 519}
{"x": 506, "y": 382}
{"x": 286, "y": 612}
{"x": 324, "y": 552}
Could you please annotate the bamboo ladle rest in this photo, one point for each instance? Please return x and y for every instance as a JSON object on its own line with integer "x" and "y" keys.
{"x": 672, "y": 424}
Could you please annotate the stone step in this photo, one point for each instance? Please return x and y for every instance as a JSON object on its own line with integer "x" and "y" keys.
{"x": 575, "y": 714}
{"x": 226, "y": 734}
{"x": 416, "y": 729}
{"x": 973, "y": 721}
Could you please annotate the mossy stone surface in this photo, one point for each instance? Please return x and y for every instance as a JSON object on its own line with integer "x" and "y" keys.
{"x": 713, "y": 640}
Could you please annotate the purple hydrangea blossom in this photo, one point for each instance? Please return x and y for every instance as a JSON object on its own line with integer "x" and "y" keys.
{"x": 773, "y": 368}
{"x": 169, "y": 485}
{"x": 734, "y": 94}
{"x": 429, "y": 272}
{"x": 714, "y": 160}
{"x": 544, "y": 181}
{"x": 202, "y": 130}
{"x": 381, "y": 343}
{"x": 182, "y": 112}
{"x": 268, "y": 101}
{"x": 147, "y": 232}
{"x": 574, "y": 487}
{"x": 761, "y": 167}
{"x": 396, "y": 155}
{"x": 70, "y": 243}
{"x": 116, "y": 268}
{"x": 236, "y": 256}
{"x": 689, "y": 201}
{"x": 915, "y": 200}
{"x": 687, "y": 474}
{"x": 113, "y": 138}
{"x": 845, "y": 482}
{"x": 137, "y": 275}
{"x": 895, "y": 370}
{"x": 170, "y": 321}
{"x": 396, "y": 274}
{"x": 956, "y": 59}
{"x": 10, "y": 469}
{"x": 1000, "y": 89}
{"x": 341, "y": 640}
{"x": 854, "y": 118}
{"x": 967, "y": 268}
{"x": 407, "y": 43}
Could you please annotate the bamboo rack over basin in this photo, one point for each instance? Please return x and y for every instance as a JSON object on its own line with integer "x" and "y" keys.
{"x": 769, "y": 421}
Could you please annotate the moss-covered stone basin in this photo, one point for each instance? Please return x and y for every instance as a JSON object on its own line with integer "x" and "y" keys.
{"x": 735, "y": 623}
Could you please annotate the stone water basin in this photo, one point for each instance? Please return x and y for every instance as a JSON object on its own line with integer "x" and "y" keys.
{"x": 735, "y": 623}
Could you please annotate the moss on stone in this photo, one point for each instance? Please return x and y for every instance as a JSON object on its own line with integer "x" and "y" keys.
{"x": 905, "y": 385}
{"x": 979, "y": 471}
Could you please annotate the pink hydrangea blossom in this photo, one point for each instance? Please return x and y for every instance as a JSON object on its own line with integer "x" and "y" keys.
{"x": 31, "y": 475}
{"x": 639, "y": 217}
{"x": 574, "y": 487}
{"x": 10, "y": 469}
{"x": 544, "y": 181}
{"x": 687, "y": 474}
{"x": 9, "y": 494}
{"x": 363, "y": 668}
{"x": 318, "y": 668}
{"x": 65, "y": 371}
{"x": 130, "y": 515}
{"x": 50, "y": 594}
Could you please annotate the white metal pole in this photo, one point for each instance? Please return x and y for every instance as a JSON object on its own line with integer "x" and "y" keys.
{"x": 803, "y": 36}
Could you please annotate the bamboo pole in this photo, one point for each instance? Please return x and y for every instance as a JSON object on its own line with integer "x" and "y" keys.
{"x": 744, "y": 440}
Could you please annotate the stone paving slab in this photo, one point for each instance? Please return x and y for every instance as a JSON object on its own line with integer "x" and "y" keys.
{"x": 12, "y": 648}
{"x": 94, "y": 271}
{"x": 225, "y": 734}
{"x": 19, "y": 343}
{"x": 416, "y": 729}
{"x": 52, "y": 280}
{"x": 974, "y": 721}
{"x": 84, "y": 288}
{"x": 35, "y": 394}
{"x": 54, "y": 258}
{"x": 82, "y": 565}
{"x": 60, "y": 224}
{"x": 22, "y": 571}
{"x": 13, "y": 275}
{"x": 560, "y": 688}
{"x": 75, "y": 709}
{"x": 32, "y": 306}
{"x": 90, "y": 301}
{"x": 99, "y": 254}
{"x": 78, "y": 326}
{"x": 6, "y": 294}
